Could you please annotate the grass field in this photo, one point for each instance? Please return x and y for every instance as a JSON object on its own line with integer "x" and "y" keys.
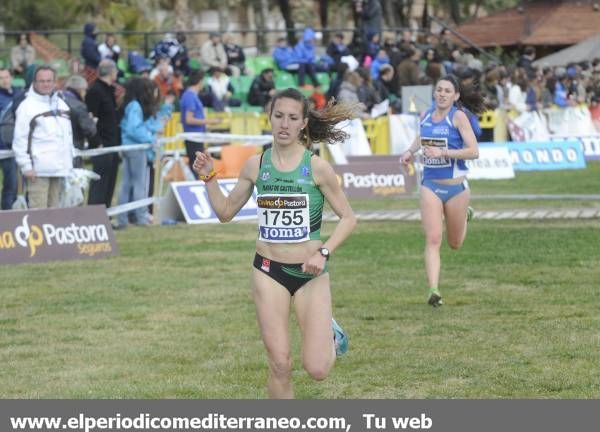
{"x": 172, "y": 317}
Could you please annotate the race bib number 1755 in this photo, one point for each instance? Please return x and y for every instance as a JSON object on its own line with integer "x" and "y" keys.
{"x": 283, "y": 218}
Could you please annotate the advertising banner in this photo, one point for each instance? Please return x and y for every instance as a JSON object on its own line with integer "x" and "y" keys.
{"x": 570, "y": 121}
{"x": 546, "y": 155}
{"x": 376, "y": 176}
{"x": 540, "y": 125}
{"x": 33, "y": 236}
{"x": 529, "y": 126}
{"x": 590, "y": 143}
{"x": 494, "y": 163}
{"x": 190, "y": 200}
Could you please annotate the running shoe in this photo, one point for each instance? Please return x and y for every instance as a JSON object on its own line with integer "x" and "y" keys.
{"x": 435, "y": 298}
{"x": 340, "y": 339}
{"x": 470, "y": 213}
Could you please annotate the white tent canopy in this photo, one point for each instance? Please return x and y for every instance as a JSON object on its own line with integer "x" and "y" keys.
{"x": 587, "y": 49}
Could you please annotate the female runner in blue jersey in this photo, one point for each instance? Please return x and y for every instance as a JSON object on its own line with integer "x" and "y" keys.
{"x": 290, "y": 262}
{"x": 448, "y": 137}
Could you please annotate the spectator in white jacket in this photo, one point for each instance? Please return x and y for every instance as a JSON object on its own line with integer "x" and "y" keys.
{"x": 222, "y": 90}
{"x": 109, "y": 48}
{"x": 44, "y": 153}
{"x": 517, "y": 91}
{"x": 212, "y": 53}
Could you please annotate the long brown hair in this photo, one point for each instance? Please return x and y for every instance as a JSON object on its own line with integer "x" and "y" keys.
{"x": 142, "y": 90}
{"x": 321, "y": 123}
{"x": 470, "y": 96}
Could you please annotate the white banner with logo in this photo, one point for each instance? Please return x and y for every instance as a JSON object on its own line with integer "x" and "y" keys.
{"x": 570, "y": 121}
{"x": 529, "y": 126}
{"x": 540, "y": 125}
{"x": 494, "y": 163}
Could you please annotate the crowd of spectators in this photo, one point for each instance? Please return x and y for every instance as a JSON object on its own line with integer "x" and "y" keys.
{"x": 369, "y": 71}
{"x": 422, "y": 59}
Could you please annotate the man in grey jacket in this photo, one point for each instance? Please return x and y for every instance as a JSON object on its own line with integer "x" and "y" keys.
{"x": 84, "y": 126}
{"x": 43, "y": 140}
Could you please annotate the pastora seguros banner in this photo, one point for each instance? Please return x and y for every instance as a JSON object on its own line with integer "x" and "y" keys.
{"x": 33, "y": 236}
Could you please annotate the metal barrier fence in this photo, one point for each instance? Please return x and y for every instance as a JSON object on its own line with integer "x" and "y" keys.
{"x": 162, "y": 156}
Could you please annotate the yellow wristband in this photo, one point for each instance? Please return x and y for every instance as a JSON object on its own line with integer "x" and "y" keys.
{"x": 208, "y": 177}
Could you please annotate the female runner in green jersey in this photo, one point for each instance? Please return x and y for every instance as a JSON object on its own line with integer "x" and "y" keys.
{"x": 290, "y": 262}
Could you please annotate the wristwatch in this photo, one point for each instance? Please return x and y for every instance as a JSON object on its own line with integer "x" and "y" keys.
{"x": 324, "y": 252}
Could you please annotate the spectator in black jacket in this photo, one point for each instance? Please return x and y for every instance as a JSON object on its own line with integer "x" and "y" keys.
{"x": 236, "y": 58}
{"x": 336, "y": 83}
{"x": 89, "y": 52}
{"x": 372, "y": 17}
{"x": 101, "y": 102}
{"x": 262, "y": 88}
{"x": 526, "y": 61}
{"x": 337, "y": 49}
{"x": 8, "y": 166}
{"x": 383, "y": 83}
{"x": 84, "y": 126}
{"x": 367, "y": 93}
{"x": 89, "y": 47}
{"x": 181, "y": 60}
{"x": 386, "y": 87}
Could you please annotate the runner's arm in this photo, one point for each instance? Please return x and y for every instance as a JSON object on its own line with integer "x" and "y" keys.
{"x": 226, "y": 207}
{"x": 332, "y": 191}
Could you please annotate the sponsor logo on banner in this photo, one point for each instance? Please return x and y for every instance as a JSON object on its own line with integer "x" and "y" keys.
{"x": 374, "y": 176}
{"x": 192, "y": 198}
{"x": 494, "y": 162}
{"x": 55, "y": 234}
{"x": 590, "y": 143}
{"x": 546, "y": 155}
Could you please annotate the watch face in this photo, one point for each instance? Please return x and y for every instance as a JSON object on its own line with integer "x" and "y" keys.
{"x": 324, "y": 252}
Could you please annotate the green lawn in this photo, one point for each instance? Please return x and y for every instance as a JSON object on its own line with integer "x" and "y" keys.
{"x": 171, "y": 317}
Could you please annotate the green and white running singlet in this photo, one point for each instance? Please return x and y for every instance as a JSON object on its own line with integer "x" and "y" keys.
{"x": 290, "y": 205}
